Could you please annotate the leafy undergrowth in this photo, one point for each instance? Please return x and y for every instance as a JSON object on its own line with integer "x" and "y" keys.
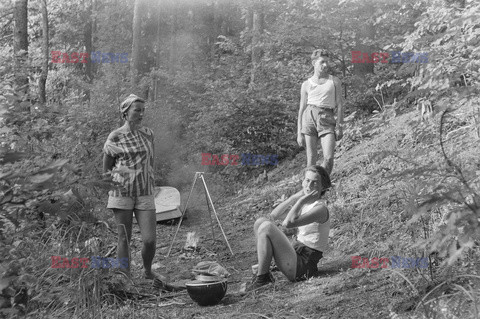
{"x": 369, "y": 204}
{"x": 377, "y": 173}
{"x": 382, "y": 204}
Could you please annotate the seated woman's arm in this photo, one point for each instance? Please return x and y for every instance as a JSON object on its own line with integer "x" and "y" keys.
{"x": 284, "y": 206}
{"x": 318, "y": 214}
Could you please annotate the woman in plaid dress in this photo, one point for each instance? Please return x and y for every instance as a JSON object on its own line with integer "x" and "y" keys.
{"x": 129, "y": 159}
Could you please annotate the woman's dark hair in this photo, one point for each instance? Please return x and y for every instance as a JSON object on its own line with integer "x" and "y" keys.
{"x": 319, "y": 53}
{"x": 324, "y": 177}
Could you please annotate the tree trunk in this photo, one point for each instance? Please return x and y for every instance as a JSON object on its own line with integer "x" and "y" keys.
{"x": 20, "y": 47}
{"x": 88, "y": 34}
{"x": 158, "y": 56}
{"x": 258, "y": 27}
{"x": 228, "y": 14}
{"x": 173, "y": 41}
{"x": 136, "y": 41}
{"x": 214, "y": 28}
{"x": 248, "y": 26}
{"x": 366, "y": 30}
{"x": 161, "y": 48}
{"x": 257, "y": 51}
{"x": 43, "y": 77}
{"x": 343, "y": 59}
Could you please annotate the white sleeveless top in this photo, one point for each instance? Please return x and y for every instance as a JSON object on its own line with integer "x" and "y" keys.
{"x": 314, "y": 235}
{"x": 321, "y": 95}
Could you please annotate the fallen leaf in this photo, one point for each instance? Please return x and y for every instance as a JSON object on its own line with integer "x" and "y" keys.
{"x": 40, "y": 178}
{"x": 13, "y": 157}
{"x": 4, "y": 283}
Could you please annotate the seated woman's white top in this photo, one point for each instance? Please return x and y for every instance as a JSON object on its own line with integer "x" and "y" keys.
{"x": 314, "y": 235}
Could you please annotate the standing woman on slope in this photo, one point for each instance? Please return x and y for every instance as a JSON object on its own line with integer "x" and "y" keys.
{"x": 319, "y": 96}
{"x": 128, "y": 157}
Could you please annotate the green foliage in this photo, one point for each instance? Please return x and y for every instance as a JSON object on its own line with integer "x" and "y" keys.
{"x": 197, "y": 79}
{"x": 452, "y": 184}
{"x": 49, "y": 187}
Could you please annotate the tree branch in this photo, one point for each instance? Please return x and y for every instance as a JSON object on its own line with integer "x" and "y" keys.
{"x": 456, "y": 169}
{"x": 7, "y": 36}
{"x": 7, "y": 13}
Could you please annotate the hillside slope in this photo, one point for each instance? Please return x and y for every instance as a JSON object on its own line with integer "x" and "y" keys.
{"x": 377, "y": 165}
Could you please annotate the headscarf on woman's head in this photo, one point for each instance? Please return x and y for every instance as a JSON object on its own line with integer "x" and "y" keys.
{"x": 128, "y": 102}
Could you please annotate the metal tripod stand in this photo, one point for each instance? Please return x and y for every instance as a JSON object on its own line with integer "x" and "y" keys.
{"x": 209, "y": 202}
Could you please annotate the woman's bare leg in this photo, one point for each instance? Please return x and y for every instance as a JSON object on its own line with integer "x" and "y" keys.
{"x": 124, "y": 222}
{"x": 272, "y": 243}
{"x": 147, "y": 223}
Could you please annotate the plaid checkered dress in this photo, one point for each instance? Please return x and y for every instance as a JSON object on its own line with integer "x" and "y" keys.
{"x": 133, "y": 153}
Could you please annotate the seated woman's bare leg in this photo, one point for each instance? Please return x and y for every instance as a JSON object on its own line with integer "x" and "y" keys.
{"x": 272, "y": 243}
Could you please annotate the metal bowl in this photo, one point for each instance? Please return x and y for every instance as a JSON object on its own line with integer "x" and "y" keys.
{"x": 206, "y": 293}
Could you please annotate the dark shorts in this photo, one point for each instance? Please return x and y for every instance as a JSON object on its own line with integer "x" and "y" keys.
{"x": 307, "y": 260}
{"x": 318, "y": 121}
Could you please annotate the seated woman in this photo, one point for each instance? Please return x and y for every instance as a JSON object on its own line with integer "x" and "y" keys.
{"x": 298, "y": 260}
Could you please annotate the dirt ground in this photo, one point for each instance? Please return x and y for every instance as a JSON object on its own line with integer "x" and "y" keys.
{"x": 338, "y": 291}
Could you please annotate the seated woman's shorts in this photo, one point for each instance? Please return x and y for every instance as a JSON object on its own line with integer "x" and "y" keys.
{"x": 318, "y": 121}
{"x": 307, "y": 260}
{"x": 130, "y": 203}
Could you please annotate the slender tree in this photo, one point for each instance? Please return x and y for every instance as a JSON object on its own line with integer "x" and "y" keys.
{"x": 174, "y": 26}
{"x": 216, "y": 24}
{"x": 88, "y": 34}
{"x": 365, "y": 31}
{"x": 258, "y": 28}
{"x": 136, "y": 41}
{"x": 20, "y": 47}
{"x": 248, "y": 26}
{"x": 158, "y": 50}
{"x": 45, "y": 56}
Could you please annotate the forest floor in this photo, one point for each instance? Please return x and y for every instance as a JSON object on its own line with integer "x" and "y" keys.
{"x": 364, "y": 207}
